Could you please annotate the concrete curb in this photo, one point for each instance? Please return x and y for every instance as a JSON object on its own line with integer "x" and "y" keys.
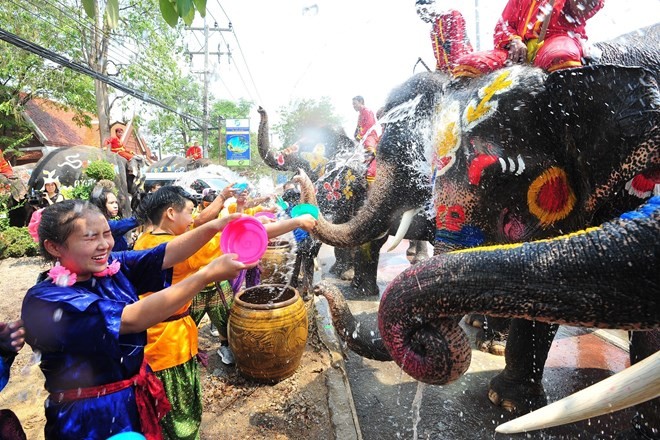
{"x": 340, "y": 398}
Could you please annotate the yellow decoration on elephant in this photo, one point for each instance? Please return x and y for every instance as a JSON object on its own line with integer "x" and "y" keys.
{"x": 348, "y": 184}
{"x": 316, "y": 159}
{"x": 486, "y": 107}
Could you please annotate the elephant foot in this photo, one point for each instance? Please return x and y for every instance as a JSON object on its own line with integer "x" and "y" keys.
{"x": 366, "y": 288}
{"x": 495, "y": 347}
{"x": 338, "y": 269}
{"x": 348, "y": 274}
{"x": 474, "y": 320}
{"x": 516, "y": 397}
{"x": 491, "y": 342}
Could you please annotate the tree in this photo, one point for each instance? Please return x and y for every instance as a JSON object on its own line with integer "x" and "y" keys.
{"x": 62, "y": 27}
{"x": 171, "y": 10}
{"x": 24, "y": 75}
{"x": 301, "y": 113}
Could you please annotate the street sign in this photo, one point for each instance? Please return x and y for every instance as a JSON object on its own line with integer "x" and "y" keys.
{"x": 238, "y": 142}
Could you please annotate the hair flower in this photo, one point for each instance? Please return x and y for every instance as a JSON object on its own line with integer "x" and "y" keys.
{"x": 62, "y": 276}
{"x": 33, "y": 227}
{"x": 109, "y": 271}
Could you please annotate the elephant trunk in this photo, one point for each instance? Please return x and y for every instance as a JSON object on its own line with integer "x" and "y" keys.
{"x": 361, "y": 336}
{"x": 263, "y": 143}
{"x": 604, "y": 277}
{"x": 373, "y": 219}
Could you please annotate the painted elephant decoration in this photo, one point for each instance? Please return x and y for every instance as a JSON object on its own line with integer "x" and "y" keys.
{"x": 68, "y": 165}
{"x": 334, "y": 163}
{"x": 514, "y": 156}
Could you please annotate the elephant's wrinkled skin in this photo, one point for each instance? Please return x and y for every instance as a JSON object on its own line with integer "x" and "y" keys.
{"x": 514, "y": 156}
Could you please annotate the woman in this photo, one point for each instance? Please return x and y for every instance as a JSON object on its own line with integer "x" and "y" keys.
{"x": 106, "y": 200}
{"x": 90, "y": 328}
{"x": 52, "y": 191}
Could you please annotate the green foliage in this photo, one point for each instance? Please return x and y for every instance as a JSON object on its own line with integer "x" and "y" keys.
{"x": 301, "y": 113}
{"x": 17, "y": 242}
{"x": 171, "y": 10}
{"x": 4, "y": 210}
{"x": 99, "y": 170}
{"x": 81, "y": 189}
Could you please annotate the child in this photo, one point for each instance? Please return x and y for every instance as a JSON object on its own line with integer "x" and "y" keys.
{"x": 107, "y": 202}
{"x": 172, "y": 344}
{"x": 90, "y": 328}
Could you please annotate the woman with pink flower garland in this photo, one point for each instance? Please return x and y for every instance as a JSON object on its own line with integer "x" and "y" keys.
{"x": 90, "y": 329}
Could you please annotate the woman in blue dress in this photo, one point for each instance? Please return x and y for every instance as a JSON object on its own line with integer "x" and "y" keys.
{"x": 90, "y": 328}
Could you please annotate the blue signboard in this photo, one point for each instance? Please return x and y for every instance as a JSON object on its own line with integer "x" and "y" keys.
{"x": 238, "y": 142}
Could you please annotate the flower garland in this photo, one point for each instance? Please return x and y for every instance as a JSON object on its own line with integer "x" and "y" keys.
{"x": 63, "y": 277}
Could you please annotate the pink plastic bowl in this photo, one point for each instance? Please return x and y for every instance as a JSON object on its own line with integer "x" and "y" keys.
{"x": 246, "y": 237}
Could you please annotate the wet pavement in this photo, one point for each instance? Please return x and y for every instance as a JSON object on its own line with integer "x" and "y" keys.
{"x": 383, "y": 395}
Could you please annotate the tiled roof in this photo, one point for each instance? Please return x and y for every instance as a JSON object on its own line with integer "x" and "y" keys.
{"x": 56, "y": 127}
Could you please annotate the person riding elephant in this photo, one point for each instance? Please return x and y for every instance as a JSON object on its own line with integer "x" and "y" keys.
{"x": 517, "y": 155}
{"x": 547, "y": 34}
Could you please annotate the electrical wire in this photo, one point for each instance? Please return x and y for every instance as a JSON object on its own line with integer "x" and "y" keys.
{"x": 63, "y": 61}
{"x": 240, "y": 49}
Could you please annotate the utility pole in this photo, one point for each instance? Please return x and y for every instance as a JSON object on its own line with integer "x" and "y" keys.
{"x": 206, "y": 72}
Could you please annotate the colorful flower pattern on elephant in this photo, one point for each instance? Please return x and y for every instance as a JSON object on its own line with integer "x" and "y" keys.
{"x": 348, "y": 187}
{"x": 317, "y": 160}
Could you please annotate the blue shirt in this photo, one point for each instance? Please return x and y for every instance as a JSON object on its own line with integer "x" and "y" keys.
{"x": 76, "y": 330}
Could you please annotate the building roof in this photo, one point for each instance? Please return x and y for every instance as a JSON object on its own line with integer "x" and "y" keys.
{"x": 56, "y": 127}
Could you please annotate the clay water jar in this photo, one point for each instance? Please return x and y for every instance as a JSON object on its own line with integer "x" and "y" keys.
{"x": 267, "y": 331}
{"x": 275, "y": 262}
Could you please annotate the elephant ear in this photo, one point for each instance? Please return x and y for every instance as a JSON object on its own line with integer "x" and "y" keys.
{"x": 605, "y": 113}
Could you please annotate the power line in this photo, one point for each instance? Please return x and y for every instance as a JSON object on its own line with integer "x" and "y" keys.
{"x": 63, "y": 61}
{"x": 240, "y": 49}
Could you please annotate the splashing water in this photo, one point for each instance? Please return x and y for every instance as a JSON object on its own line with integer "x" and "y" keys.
{"x": 417, "y": 406}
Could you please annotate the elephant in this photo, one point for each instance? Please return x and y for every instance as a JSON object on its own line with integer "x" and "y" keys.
{"x": 604, "y": 277}
{"x": 334, "y": 163}
{"x": 176, "y": 164}
{"x": 513, "y": 156}
{"x": 68, "y": 165}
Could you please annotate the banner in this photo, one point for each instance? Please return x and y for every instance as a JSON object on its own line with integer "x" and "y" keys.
{"x": 238, "y": 142}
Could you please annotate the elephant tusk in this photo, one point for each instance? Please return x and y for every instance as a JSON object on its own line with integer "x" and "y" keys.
{"x": 406, "y": 220}
{"x": 632, "y": 386}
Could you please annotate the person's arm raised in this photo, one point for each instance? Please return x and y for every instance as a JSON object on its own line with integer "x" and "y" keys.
{"x": 158, "y": 306}
{"x": 185, "y": 245}
{"x": 306, "y": 222}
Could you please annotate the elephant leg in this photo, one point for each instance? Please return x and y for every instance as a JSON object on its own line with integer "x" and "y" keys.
{"x": 493, "y": 334}
{"x": 308, "y": 268}
{"x": 295, "y": 274}
{"x": 518, "y": 388}
{"x": 366, "y": 268}
{"x": 343, "y": 261}
{"x": 646, "y": 422}
{"x": 417, "y": 251}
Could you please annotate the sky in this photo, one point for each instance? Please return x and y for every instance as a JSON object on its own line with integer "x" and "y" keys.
{"x": 293, "y": 49}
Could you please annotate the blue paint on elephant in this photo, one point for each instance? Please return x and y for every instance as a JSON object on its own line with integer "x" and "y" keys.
{"x": 468, "y": 236}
